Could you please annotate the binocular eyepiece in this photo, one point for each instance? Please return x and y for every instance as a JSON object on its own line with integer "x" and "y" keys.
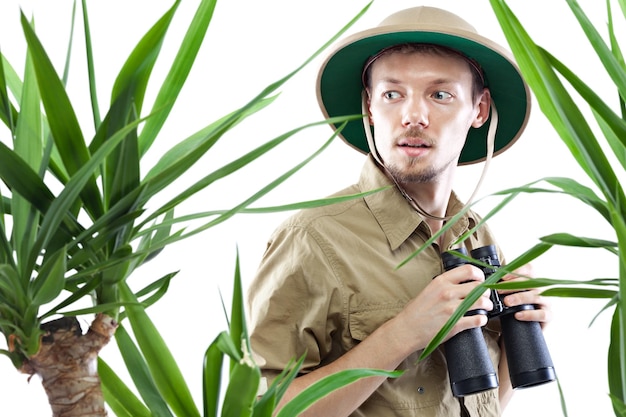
{"x": 469, "y": 365}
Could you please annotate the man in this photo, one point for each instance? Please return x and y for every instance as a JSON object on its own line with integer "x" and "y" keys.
{"x": 329, "y": 286}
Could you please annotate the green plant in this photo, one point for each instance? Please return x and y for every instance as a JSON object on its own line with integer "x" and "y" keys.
{"x": 76, "y": 219}
{"x": 543, "y": 71}
{"x": 546, "y": 76}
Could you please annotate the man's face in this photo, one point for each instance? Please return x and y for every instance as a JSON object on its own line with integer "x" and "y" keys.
{"x": 421, "y": 107}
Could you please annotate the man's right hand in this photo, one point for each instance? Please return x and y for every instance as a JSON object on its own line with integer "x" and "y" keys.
{"x": 424, "y": 316}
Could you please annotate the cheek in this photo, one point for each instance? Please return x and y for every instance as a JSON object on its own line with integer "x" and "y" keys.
{"x": 377, "y": 119}
{"x": 382, "y": 118}
{"x": 459, "y": 125}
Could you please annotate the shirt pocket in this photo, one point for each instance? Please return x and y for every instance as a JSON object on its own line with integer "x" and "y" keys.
{"x": 365, "y": 319}
{"x": 424, "y": 388}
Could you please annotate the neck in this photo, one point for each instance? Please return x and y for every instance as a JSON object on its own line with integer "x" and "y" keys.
{"x": 433, "y": 199}
{"x": 430, "y": 197}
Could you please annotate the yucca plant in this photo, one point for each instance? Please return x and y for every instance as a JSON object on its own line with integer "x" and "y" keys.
{"x": 544, "y": 73}
{"x": 547, "y": 76}
{"x": 75, "y": 224}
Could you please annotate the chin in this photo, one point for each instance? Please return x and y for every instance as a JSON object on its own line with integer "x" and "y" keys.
{"x": 406, "y": 176}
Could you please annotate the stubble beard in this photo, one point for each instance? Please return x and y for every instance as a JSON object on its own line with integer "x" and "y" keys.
{"x": 405, "y": 176}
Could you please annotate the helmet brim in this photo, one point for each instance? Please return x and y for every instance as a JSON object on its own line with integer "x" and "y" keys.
{"x": 339, "y": 84}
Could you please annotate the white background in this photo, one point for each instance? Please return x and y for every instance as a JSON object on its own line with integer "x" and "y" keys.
{"x": 252, "y": 43}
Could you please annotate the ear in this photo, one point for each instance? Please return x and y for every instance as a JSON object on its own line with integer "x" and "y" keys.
{"x": 483, "y": 105}
{"x": 366, "y": 106}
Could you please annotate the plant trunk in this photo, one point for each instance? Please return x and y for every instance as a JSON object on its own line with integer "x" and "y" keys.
{"x": 67, "y": 363}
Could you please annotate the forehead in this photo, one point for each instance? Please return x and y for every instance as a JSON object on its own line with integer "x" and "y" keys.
{"x": 402, "y": 54}
{"x": 420, "y": 63}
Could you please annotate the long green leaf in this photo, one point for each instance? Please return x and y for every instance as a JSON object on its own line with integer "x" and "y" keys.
{"x": 11, "y": 288}
{"x": 23, "y": 180}
{"x": 118, "y": 396}
{"x": 140, "y": 373}
{"x": 212, "y": 371}
{"x": 558, "y": 106}
{"x": 62, "y": 119}
{"x": 266, "y": 189}
{"x": 157, "y": 290}
{"x": 28, "y": 144}
{"x": 84, "y": 291}
{"x": 238, "y": 330}
{"x": 591, "y": 293}
{"x": 122, "y": 167}
{"x": 135, "y": 73}
{"x": 178, "y": 159}
{"x": 13, "y": 82}
{"x": 266, "y": 405}
{"x": 181, "y": 156}
{"x": 619, "y": 224}
{"x": 68, "y": 54}
{"x": 301, "y": 205}
{"x": 582, "y": 193}
{"x": 6, "y": 251}
{"x": 619, "y": 406}
{"x": 161, "y": 231}
{"x": 615, "y": 358}
{"x": 614, "y": 141}
{"x": 163, "y": 368}
{"x": 8, "y": 114}
{"x": 613, "y": 123}
{"x": 545, "y": 282}
{"x": 242, "y": 390}
{"x": 327, "y": 385}
{"x": 566, "y": 239}
{"x": 51, "y": 279}
{"x": 611, "y": 64}
{"x": 178, "y": 73}
{"x": 212, "y": 374}
{"x": 91, "y": 70}
{"x": 235, "y": 165}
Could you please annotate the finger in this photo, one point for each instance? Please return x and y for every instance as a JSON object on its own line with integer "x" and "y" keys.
{"x": 525, "y": 297}
{"x": 521, "y": 273}
{"x": 469, "y": 322}
{"x": 483, "y": 303}
{"x": 464, "y": 274}
{"x": 541, "y": 315}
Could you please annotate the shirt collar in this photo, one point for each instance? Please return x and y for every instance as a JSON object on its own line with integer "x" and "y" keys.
{"x": 394, "y": 214}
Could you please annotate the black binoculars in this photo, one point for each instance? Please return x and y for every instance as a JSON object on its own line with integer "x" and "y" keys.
{"x": 469, "y": 365}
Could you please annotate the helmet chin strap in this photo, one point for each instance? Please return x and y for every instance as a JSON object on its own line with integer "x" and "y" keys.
{"x": 491, "y": 136}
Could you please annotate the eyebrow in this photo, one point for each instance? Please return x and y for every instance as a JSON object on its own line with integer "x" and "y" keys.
{"x": 437, "y": 81}
{"x": 390, "y": 80}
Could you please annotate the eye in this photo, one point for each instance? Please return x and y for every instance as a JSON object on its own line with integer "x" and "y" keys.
{"x": 442, "y": 95}
{"x": 391, "y": 95}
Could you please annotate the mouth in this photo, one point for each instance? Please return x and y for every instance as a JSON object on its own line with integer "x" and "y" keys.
{"x": 414, "y": 147}
{"x": 414, "y": 143}
{"x": 407, "y": 145}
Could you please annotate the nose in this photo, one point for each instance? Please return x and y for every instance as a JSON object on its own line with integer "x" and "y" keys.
{"x": 415, "y": 113}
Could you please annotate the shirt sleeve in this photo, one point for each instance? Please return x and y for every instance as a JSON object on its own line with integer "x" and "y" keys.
{"x": 294, "y": 302}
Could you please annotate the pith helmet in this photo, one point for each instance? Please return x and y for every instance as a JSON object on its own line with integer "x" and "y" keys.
{"x": 339, "y": 84}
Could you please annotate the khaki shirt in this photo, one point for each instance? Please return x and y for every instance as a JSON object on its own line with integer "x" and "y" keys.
{"x": 328, "y": 279}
